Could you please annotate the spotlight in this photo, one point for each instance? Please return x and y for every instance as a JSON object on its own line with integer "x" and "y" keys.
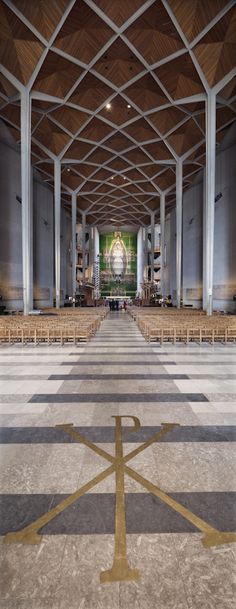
{"x": 108, "y": 106}
{"x": 128, "y": 106}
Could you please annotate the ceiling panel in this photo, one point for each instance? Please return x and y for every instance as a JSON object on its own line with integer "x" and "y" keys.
{"x": 118, "y": 93}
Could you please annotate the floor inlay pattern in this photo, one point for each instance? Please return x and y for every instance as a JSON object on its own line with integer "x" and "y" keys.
{"x": 118, "y": 474}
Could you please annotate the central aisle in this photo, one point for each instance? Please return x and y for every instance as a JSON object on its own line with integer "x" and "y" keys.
{"x": 117, "y": 374}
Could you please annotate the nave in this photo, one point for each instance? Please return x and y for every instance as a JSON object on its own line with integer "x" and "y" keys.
{"x": 134, "y": 537}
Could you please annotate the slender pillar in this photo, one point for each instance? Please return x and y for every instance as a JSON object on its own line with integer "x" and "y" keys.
{"x": 140, "y": 260}
{"x": 179, "y": 212}
{"x": 91, "y": 253}
{"x": 204, "y": 245}
{"x": 83, "y": 243}
{"x": 162, "y": 219}
{"x": 74, "y": 252}
{"x": 57, "y": 220}
{"x": 27, "y": 254}
{"x": 210, "y": 199}
{"x": 152, "y": 245}
{"x": 146, "y": 253}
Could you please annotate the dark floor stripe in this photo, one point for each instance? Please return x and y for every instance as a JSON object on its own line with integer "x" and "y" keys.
{"x": 38, "y": 363}
{"x": 32, "y": 354}
{"x": 135, "y": 352}
{"x": 52, "y": 435}
{"x": 25, "y": 377}
{"x": 95, "y": 513}
{"x": 117, "y": 397}
{"x": 120, "y": 362}
{"x": 110, "y": 377}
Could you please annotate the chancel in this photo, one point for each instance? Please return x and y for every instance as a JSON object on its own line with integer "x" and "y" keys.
{"x": 117, "y": 304}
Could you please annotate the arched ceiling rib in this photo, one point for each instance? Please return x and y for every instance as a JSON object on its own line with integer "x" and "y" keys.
{"x": 118, "y": 92}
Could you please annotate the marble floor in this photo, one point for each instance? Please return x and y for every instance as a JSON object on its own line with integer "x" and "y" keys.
{"x": 118, "y": 474}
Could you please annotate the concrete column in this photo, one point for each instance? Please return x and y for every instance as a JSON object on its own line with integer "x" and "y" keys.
{"x": 27, "y": 254}
{"x": 179, "y": 213}
{"x": 91, "y": 253}
{"x": 146, "y": 253}
{"x": 74, "y": 252}
{"x": 83, "y": 243}
{"x": 210, "y": 199}
{"x": 152, "y": 244}
{"x": 162, "y": 221}
{"x": 140, "y": 260}
{"x": 57, "y": 220}
{"x": 204, "y": 270}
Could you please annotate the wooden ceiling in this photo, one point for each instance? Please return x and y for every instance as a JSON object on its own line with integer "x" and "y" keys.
{"x": 118, "y": 92}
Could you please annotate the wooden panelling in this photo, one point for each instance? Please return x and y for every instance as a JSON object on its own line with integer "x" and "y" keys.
{"x": 216, "y": 51}
{"x": 154, "y": 34}
{"x": 102, "y": 175}
{"x": 167, "y": 119}
{"x": 118, "y": 64}
{"x": 119, "y": 143}
{"x": 6, "y": 87}
{"x": 11, "y": 113}
{"x": 141, "y": 131}
{"x": 99, "y": 156}
{"x": 229, "y": 90}
{"x": 56, "y": 76}
{"x": 95, "y": 131}
{"x": 118, "y": 164}
{"x": 111, "y": 96}
{"x": 70, "y": 118}
{"x": 83, "y": 33}
{"x": 224, "y": 116}
{"x": 72, "y": 180}
{"x": 121, "y": 111}
{"x": 137, "y": 157}
{"x": 180, "y": 77}
{"x": 146, "y": 93}
{"x": 151, "y": 170}
{"x": 78, "y": 150}
{"x": 91, "y": 93}
{"x": 185, "y": 137}
{"x": 165, "y": 179}
{"x": 84, "y": 170}
{"x": 44, "y": 14}
{"x": 20, "y": 50}
{"x": 51, "y": 136}
{"x": 158, "y": 151}
{"x": 194, "y": 15}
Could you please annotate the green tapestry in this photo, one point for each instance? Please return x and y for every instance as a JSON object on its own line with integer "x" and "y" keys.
{"x": 118, "y": 264}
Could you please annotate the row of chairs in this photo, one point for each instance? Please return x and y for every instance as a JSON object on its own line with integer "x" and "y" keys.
{"x": 66, "y": 327}
{"x": 187, "y": 335}
{"x": 183, "y": 325}
{"x": 56, "y": 334}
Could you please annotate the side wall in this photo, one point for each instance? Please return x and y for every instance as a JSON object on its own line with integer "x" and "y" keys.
{"x": 224, "y": 240}
{"x": 43, "y": 233}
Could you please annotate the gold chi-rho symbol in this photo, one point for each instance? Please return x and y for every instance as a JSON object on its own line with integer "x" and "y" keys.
{"x": 120, "y": 570}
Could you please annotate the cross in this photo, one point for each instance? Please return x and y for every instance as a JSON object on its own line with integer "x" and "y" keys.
{"x": 120, "y": 570}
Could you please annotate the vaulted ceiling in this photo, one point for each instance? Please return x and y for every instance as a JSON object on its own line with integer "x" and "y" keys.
{"x": 118, "y": 92}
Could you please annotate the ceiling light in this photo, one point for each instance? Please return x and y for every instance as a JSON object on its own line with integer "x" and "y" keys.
{"x": 112, "y": 177}
{"x": 68, "y": 169}
{"x": 128, "y": 106}
{"x": 108, "y": 106}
